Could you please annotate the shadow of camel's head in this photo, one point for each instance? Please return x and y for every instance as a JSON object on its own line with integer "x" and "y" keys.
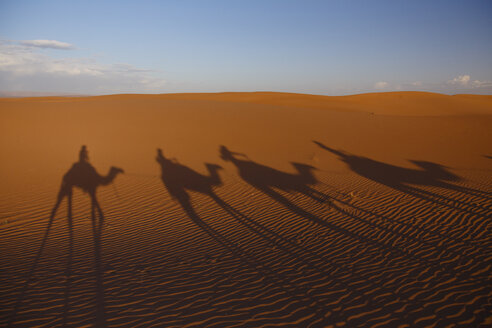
{"x": 116, "y": 170}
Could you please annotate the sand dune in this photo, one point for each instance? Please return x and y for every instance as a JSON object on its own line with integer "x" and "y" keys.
{"x": 260, "y": 210}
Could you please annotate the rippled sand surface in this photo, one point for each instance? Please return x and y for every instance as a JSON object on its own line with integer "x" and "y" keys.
{"x": 261, "y": 210}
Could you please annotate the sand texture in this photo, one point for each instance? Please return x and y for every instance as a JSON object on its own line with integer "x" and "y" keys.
{"x": 259, "y": 210}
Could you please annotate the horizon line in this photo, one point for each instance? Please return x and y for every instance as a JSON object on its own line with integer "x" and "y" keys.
{"x": 36, "y": 94}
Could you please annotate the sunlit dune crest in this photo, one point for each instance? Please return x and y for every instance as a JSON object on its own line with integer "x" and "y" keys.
{"x": 387, "y": 103}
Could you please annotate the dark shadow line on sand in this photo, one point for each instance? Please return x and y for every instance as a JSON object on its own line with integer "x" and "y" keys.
{"x": 258, "y": 176}
{"x": 33, "y": 268}
{"x": 68, "y": 272}
{"x": 84, "y": 176}
{"x": 178, "y": 179}
{"x": 97, "y": 227}
{"x": 263, "y": 179}
{"x": 173, "y": 176}
{"x": 404, "y": 179}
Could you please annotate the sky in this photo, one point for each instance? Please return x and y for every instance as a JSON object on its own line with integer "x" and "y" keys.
{"x": 317, "y": 47}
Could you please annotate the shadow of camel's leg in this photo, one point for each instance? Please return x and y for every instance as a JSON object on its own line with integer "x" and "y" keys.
{"x": 95, "y": 205}
{"x": 64, "y": 191}
{"x": 100, "y": 315}
{"x": 95, "y": 226}
{"x": 69, "y": 261}
{"x": 69, "y": 208}
{"x": 314, "y": 194}
{"x": 61, "y": 194}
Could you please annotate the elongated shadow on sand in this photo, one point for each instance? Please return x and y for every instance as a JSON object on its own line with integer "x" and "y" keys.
{"x": 264, "y": 177}
{"x": 180, "y": 179}
{"x": 270, "y": 181}
{"x": 409, "y": 180}
{"x": 84, "y": 176}
{"x": 406, "y": 180}
{"x": 68, "y": 272}
{"x": 97, "y": 227}
{"x": 35, "y": 263}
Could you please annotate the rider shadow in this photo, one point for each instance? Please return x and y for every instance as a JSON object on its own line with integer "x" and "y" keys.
{"x": 266, "y": 178}
{"x": 406, "y": 180}
{"x": 84, "y": 176}
{"x": 269, "y": 181}
{"x": 179, "y": 180}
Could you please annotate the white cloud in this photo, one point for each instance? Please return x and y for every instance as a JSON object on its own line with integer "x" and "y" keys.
{"x": 416, "y": 84}
{"x": 53, "y": 44}
{"x": 462, "y": 79}
{"x": 466, "y": 81}
{"x": 481, "y": 84}
{"x": 24, "y": 68}
{"x": 380, "y": 85}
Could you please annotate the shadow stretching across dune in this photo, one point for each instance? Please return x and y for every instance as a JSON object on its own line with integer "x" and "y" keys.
{"x": 97, "y": 228}
{"x": 84, "y": 176}
{"x": 406, "y": 180}
{"x": 367, "y": 269}
{"x": 271, "y": 181}
{"x": 34, "y": 266}
{"x": 68, "y": 272}
{"x": 180, "y": 179}
{"x": 365, "y": 243}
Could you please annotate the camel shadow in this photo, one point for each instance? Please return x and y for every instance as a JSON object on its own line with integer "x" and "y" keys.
{"x": 272, "y": 183}
{"x": 266, "y": 178}
{"x": 84, "y": 176}
{"x": 410, "y": 181}
{"x": 179, "y": 180}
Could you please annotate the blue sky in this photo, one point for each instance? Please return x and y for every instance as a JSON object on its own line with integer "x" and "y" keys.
{"x": 320, "y": 47}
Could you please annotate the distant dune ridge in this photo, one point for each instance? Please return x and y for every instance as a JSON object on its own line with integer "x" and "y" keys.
{"x": 389, "y": 103}
{"x": 253, "y": 209}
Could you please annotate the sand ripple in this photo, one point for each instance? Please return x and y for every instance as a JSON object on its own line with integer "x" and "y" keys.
{"x": 369, "y": 256}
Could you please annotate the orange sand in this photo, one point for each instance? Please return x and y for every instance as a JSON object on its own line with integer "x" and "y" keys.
{"x": 370, "y": 210}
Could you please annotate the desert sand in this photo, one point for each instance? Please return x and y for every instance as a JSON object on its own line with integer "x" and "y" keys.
{"x": 248, "y": 210}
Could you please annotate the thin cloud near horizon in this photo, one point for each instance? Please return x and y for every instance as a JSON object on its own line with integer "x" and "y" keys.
{"x": 464, "y": 82}
{"x": 52, "y": 44}
{"x": 24, "y": 69}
